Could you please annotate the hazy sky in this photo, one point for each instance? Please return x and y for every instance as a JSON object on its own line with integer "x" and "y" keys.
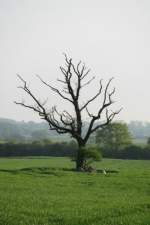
{"x": 111, "y": 36}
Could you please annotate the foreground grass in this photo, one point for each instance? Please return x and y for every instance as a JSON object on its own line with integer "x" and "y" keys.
{"x": 44, "y": 191}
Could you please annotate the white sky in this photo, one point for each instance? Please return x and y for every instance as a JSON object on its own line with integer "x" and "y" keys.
{"x": 111, "y": 36}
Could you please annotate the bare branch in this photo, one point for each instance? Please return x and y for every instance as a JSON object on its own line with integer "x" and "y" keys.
{"x": 89, "y": 114}
{"x": 64, "y": 82}
{"x": 54, "y": 89}
{"x": 110, "y": 102}
{"x": 28, "y": 106}
{"x": 78, "y": 68}
{"x": 66, "y": 58}
{"x": 39, "y": 108}
{"x": 88, "y": 82}
{"x": 106, "y": 90}
{"x": 94, "y": 97}
{"x": 63, "y": 71}
{"x": 26, "y": 89}
{"x": 109, "y": 118}
{"x": 85, "y": 74}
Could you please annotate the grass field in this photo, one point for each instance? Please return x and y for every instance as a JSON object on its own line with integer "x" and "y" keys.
{"x": 44, "y": 191}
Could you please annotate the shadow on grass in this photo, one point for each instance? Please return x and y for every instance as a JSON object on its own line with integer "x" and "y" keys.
{"x": 38, "y": 171}
{"x": 49, "y": 171}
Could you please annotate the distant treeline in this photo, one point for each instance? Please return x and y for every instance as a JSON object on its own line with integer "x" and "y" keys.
{"x": 69, "y": 149}
{"x": 11, "y": 130}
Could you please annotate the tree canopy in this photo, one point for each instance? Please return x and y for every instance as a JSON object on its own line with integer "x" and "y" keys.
{"x": 115, "y": 136}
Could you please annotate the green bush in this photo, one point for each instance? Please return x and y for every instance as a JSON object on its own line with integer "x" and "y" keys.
{"x": 91, "y": 153}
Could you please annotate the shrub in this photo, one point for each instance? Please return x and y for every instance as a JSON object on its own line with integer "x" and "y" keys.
{"x": 91, "y": 153}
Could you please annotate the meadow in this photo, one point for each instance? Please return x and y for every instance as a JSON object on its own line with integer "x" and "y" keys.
{"x": 46, "y": 191}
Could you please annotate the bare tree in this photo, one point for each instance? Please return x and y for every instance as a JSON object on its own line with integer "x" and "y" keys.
{"x": 65, "y": 122}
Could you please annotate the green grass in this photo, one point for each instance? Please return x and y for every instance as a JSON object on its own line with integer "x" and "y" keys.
{"x": 44, "y": 191}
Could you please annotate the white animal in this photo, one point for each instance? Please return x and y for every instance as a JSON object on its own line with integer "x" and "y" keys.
{"x": 104, "y": 172}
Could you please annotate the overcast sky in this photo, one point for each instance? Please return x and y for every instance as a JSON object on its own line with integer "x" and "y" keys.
{"x": 111, "y": 36}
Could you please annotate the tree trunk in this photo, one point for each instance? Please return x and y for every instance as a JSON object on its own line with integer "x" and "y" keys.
{"x": 80, "y": 159}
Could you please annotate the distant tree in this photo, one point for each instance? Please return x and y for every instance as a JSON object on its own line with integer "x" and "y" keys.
{"x": 39, "y": 134}
{"x": 73, "y": 81}
{"x": 114, "y": 137}
{"x": 148, "y": 140}
{"x": 46, "y": 141}
{"x": 139, "y": 129}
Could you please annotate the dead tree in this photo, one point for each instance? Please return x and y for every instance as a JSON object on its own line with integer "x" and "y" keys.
{"x": 65, "y": 122}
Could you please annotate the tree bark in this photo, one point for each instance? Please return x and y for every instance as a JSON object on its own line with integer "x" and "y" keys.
{"x": 80, "y": 159}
